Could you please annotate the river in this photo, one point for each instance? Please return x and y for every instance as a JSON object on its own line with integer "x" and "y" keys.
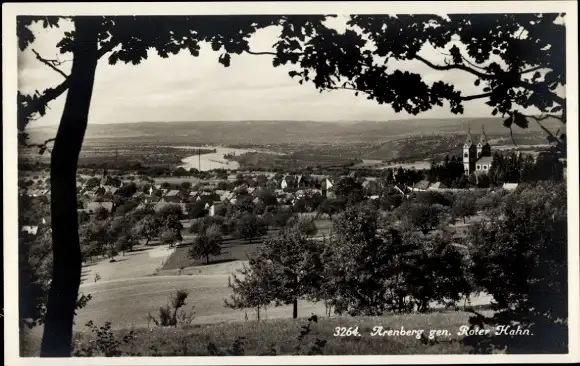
{"x": 215, "y": 160}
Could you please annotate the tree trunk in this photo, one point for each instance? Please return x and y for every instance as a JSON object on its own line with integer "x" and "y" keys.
{"x": 295, "y": 309}
{"x": 207, "y": 259}
{"x": 66, "y": 275}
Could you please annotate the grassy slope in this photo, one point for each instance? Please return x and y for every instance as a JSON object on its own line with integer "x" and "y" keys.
{"x": 281, "y": 334}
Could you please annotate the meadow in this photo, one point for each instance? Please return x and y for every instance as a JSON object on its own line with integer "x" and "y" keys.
{"x": 279, "y": 336}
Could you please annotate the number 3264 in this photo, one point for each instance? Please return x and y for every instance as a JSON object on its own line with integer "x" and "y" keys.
{"x": 346, "y": 332}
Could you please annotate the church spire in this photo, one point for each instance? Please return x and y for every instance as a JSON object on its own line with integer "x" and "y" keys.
{"x": 483, "y": 138}
{"x": 468, "y": 138}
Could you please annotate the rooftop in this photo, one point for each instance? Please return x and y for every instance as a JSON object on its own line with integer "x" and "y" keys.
{"x": 485, "y": 160}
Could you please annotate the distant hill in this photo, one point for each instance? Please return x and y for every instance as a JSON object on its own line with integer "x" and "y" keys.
{"x": 284, "y": 132}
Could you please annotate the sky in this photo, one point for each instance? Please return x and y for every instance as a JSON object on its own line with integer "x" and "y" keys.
{"x": 184, "y": 88}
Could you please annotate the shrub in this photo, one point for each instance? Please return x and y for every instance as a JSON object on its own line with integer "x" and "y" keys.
{"x": 172, "y": 314}
{"x": 103, "y": 342}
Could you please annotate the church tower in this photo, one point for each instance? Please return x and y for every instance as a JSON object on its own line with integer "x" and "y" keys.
{"x": 469, "y": 154}
{"x": 483, "y": 147}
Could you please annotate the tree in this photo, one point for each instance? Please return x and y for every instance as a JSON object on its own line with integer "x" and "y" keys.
{"x": 330, "y": 207}
{"x": 93, "y": 38}
{"x": 361, "y": 263}
{"x": 483, "y": 181}
{"x": 101, "y": 213}
{"x": 207, "y": 243}
{"x": 517, "y": 61}
{"x": 33, "y": 276}
{"x": 125, "y": 243}
{"x": 254, "y": 287}
{"x": 281, "y": 216}
{"x": 548, "y": 167}
{"x": 171, "y": 211}
{"x": 289, "y": 266}
{"x": 530, "y": 232}
{"x": 127, "y": 190}
{"x": 196, "y": 209}
{"x": 149, "y": 227}
{"x": 464, "y": 206}
{"x": 244, "y": 205}
{"x": 425, "y": 217}
{"x": 250, "y": 227}
{"x": 349, "y": 189}
{"x": 261, "y": 180}
{"x": 431, "y": 269}
{"x": 305, "y": 226}
{"x": 93, "y": 237}
{"x": 434, "y": 198}
{"x": 169, "y": 237}
{"x": 267, "y": 196}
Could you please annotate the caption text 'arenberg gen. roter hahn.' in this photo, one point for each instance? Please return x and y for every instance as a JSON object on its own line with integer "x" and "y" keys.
{"x": 380, "y": 331}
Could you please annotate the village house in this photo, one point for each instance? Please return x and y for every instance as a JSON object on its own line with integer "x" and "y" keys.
{"x": 284, "y": 183}
{"x": 257, "y": 200}
{"x": 30, "y": 229}
{"x": 111, "y": 190}
{"x": 404, "y": 190}
{"x": 37, "y": 192}
{"x": 93, "y": 206}
{"x": 437, "y": 185}
{"x": 510, "y": 186}
{"x": 215, "y": 207}
{"x": 172, "y": 196}
{"x": 227, "y": 196}
{"x": 99, "y": 191}
{"x": 422, "y": 185}
{"x": 151, "y": 199}
{"x": 326, "y": 188}
{"x": 138, "y": 195}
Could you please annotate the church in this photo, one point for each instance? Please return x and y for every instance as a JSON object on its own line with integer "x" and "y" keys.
{"x": 477, "y": 158}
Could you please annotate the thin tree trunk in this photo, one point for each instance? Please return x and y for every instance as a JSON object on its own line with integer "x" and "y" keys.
{"x": 66, "y": 276}
{"x": 295, "y": 309}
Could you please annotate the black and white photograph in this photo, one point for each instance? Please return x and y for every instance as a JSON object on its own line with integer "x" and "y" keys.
{"x": 290, "y": 182}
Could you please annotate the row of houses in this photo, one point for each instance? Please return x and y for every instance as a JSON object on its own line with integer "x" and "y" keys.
{"x": 425, "y": 185}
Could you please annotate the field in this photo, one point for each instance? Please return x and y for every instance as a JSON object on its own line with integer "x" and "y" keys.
{"x": 323, "y": 144}
{"x": 374, "y": 164}
{"x": 233, "y": 249}
{"x": 280, "y": 335}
